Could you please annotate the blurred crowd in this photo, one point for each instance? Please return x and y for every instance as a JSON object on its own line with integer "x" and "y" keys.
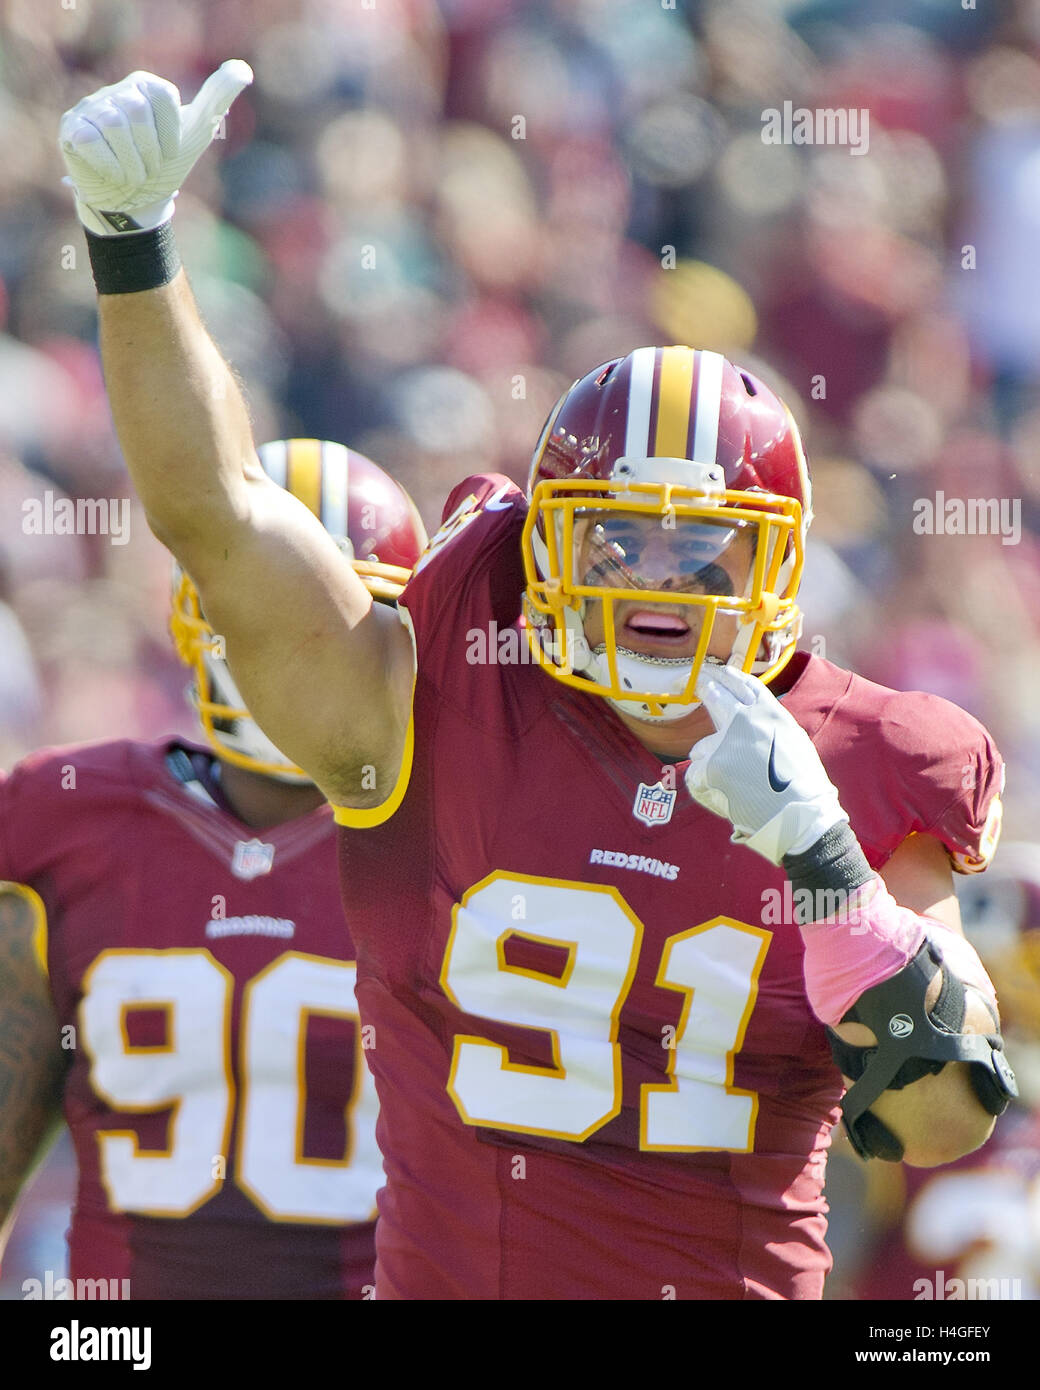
{"x": 424, "y": 220}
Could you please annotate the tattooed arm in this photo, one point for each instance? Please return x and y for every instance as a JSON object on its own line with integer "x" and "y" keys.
{"x": 32, "y": 1065}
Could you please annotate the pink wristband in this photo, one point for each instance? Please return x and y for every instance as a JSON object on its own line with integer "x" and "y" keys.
{"x": 871, "y": 940}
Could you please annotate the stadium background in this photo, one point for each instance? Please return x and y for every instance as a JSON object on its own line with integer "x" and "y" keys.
{"x": 424, "y": 221}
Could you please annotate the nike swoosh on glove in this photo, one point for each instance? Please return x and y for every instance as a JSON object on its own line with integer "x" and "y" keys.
{"x": 760, "y": 769}
{"x": 129, "y": 147}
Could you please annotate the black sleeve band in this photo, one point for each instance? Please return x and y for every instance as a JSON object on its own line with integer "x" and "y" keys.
{"x": 133, "y": 261}
{"x": 834, "y": 865}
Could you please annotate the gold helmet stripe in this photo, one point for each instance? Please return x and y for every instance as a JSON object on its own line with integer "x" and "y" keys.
{"x": 709, "y": 406}
{"x": 674, "y": 398}
{"x": 303, "y": 473}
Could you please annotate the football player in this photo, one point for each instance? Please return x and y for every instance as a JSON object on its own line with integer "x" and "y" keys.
{"x": 604, "y": 1037}
{"x": 177, "y": 976}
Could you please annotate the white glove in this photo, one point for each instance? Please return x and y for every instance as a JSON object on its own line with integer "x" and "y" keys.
{"x": 760, "y": 769}
{"x": 129, "y": 147}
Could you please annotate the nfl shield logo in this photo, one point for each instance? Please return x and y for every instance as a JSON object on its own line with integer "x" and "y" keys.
{"x": 251, "y": 859}
{"x": 653, "y": 805}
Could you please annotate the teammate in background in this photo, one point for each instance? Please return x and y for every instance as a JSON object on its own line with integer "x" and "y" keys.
{"x": 972, "y": 1230}
{"x": 177, "y": 976}
{"x": 604, "y": 1043}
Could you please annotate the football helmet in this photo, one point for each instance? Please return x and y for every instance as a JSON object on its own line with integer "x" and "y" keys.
{"x": 668, "y": 489}
{"x": 372, "y": 520}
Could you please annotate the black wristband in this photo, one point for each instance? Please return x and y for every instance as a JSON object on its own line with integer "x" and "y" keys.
{"x": 834, "y": 864}
{"x": 133, "y": 261}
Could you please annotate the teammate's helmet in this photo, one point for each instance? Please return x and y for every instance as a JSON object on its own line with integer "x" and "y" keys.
{"x": 680, "y": 455}
{"x": 1000, "y": 910}
{"x": 373, "y": 521}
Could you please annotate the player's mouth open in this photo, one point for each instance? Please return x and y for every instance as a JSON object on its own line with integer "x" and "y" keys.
{"x": 644, "y": 627}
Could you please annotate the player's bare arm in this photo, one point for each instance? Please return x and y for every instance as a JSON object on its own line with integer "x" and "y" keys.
{"x": 327, "y": 674}
{"x": 32, "y": 1064}
{"x": 879, "y": 946}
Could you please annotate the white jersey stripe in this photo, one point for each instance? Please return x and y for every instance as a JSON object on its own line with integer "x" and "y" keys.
{"x": 709, "y": 404}
{"x": 640, "y": 392}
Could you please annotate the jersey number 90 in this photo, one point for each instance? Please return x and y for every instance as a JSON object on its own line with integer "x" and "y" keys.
{"x": 190, "y": 1075}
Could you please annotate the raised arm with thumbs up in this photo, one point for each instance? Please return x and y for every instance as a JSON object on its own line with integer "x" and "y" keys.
{"x": 272, "y": 581}
{"x": 129, "y": 147}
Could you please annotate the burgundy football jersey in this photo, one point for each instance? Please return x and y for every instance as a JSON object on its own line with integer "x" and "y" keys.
{"x": 599, "y": 1074}
{"x": 217, "y": 1096}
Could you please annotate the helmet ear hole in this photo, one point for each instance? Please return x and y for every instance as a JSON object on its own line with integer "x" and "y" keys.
{"x": 749, "y": 385}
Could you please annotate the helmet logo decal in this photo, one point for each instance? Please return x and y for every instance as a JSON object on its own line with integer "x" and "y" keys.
{"x": 654, "y": 804}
